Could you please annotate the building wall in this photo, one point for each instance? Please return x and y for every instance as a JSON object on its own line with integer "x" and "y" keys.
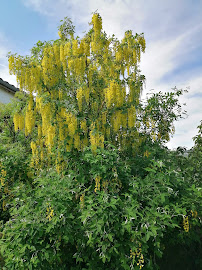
{"x": 5, "y": 96}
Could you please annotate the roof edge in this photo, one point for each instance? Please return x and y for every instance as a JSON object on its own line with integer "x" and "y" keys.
{"x": 9, "y": 86}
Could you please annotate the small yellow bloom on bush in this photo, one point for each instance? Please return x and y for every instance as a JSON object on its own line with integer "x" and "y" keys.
{"x": 97, "y": 183}
{"x": 49, "y": 213}
{"x": 147, "y": 154}
{"x": 2, "y": 176}
{"x": 82, "y": 201}
{"x": 186, "y": 223}
{"x": 194, "y": 214}
{"x": 137, "y": 256}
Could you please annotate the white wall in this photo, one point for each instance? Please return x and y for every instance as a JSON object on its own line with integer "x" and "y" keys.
{"x": 5, "y": 96}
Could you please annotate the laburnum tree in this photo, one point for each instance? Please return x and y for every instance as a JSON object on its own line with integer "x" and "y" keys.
{"x": 102, "y": 197}
{"x": 83, "y": 92}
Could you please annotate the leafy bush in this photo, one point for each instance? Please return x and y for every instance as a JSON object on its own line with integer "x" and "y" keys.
{"x": 63, "y": 223}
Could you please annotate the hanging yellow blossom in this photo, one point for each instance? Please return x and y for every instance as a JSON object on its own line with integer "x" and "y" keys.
{"x": 2, "y": 175}
{"x": 137, "y": 256}
{"x": 97, "y": 24}
{"x": 77, "y": 141}
{"x": 194, "y": 213}
{"x": 83, "y": 125}
{"x": 82, "y": 201}
{"x": 67, "y": 49}
{"x": 79, "y": 97}
{"x": 97, "y": 184}
{"x": 29, "y": 121}
{"x": 131, "y": 116}
{"x": 105, "y": 185}
{"x": 11, "y": 64}
{"x": 33, "y": 147}
{"x": 186, "y": 223}
{"x": 147, "y": 154}
{"x": 50, "y": 136}
{"x": 75, "y": 47}
{"x": 87, "y": 48}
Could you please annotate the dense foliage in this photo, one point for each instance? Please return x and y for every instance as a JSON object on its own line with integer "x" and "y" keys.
{"x": 86, "y": 179}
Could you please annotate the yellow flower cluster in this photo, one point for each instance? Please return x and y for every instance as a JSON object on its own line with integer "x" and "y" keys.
{"x": 82, "y": 201}
{"x": 147, "y": 124}
{"x": 97, "y": 183}
{"x": 62, "y": 55}
{"x": 97, "y": 24}
{"x": 18, "y": 121}
{"x": 51, "y": 73}
{"x": 147, "y": 154}
{"x": 35, "y": 155}
{"x": 59, "y": 163}
{"x": 46, "y": 114}
{"x": 61, "y": 131}
{"x": 105, "y": 185}
{"x": 49, "y": 212}
{"x": 50, "y": 136}
{"x": 142, "y": 43}
{"x": 4, "y": 184}
{"x": 11, "y": 64}
{"x": 33, "y": 147}
{"x": 116, "y": 120}
{"x": 194, "y": 214}
{"x": 115, "y": 95}
{"x": 131, "y": 116}
{"x": 96, "y": 138}
{"x": 27, "y": 77}
{"x": 127, "y": 53}
{"x": 54, "y": 52}
{"x": 58, "y": 167}
{"x": 154, "y": 136}
{"x": 67, "y": 49}
{"x": 79, "y": 96}
{"x": 72, "y": 124}
{"x": 75, "y": 47}
{"x": 60, "y": 34}
{"x": 110, "y": 94}
{"x": 48, "y": 129}
{"x": 83, "y": 125}
{"x": 28, "y": 80}
{"x": 87, "y": 48}
{"x": 137, "y": 256}
{"x": 69, "y": 145}
{"x": 79, "y": 66}
{"x": 119, "y": 54}
{"x": 39, "y": 131}
{"x": 96, "y": 44}
{"x": 29, "y": 121}
{"x": 186, "y": 223}
{"x": 77, "y": 141}
{"x": 103, "y": 118}
{"x": 2, "y": 175}
{"x": 68, "y": 125}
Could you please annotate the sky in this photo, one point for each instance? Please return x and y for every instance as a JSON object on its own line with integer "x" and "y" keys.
{"x": 172, "y": 29}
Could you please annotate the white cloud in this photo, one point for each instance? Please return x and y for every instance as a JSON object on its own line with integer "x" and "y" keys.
{"x": 4, "y": 72}
{"x": 6, "y": 76}
{"x": 166, "y": 55}
{"x": 39, "y": 6}
{"x": 186, "y": 128}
